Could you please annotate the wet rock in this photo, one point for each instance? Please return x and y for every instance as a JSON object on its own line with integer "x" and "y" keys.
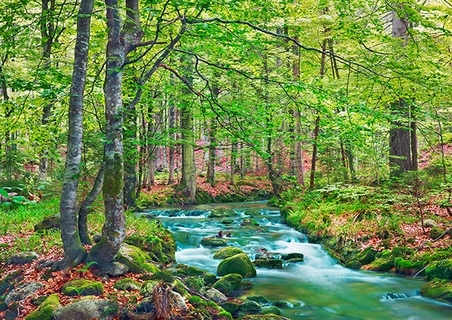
{"x": 82, "y": 287}
{"x": 282, "y": 304}
{"x": 239, "y": 263}
{"x": 271, "y": 310}
{"x": 213, "y": 241}
{"x": 259, "y": 299}
{"x": 291, "y": 256}
{"x": 23, "y": 257}
{"x": 228, "y": 283}
{"x": 227, "y": 252}
{"x": 264, "y": 317}
{"x": 221, "y": 213}
{"x": 88, "y": 309}
{"x": 436, "y": 232}
{"x": 441, "y": 269}
{"x": 250, "y": 306}
{"x": 268, "y": 263}
{"x": 438, "y": 289}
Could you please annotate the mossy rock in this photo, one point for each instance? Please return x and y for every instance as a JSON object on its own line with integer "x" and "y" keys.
{"x": 213, "y": 242}
{"x": 252, "y": 212}
{"x": 366, "y": 256}
{"x": 239, "y": 263}
{"x": 222, "y": 213}
{"x": 227, "y": 252}
{"x": 9, "y": 281}
{"x": 46, "y": 309}
{"x": 406, "y": 266}
{"x": 179, "y": 287}
{"x": 228, "y": 283}
{"x": 250, "y": 306}
{"x": 271, "y": 310}
{"x": 82, "y": 287}
{"x": 227, "y": 221}
{"x": 282, "y": 304}
{"x": 22, "y": 258}
{"x": 230, "y": 306}
{"x": 354, "y": 264}
{"x": 436, "y": 232}
{"x": 440, "y": 269}
{"x": 268, "y": 263}
{"x": 259, "y": 299}
{"x": 384, "y": 262}
{"x": 164, "y": 276}
{"x": 185, "y": 270}
{"x": 249, "y": 223}
{"x": 127, "y": 284}
{"x": 50, "y": 222}
{"x": 293, "y": 256}
{"x": 147, "y": 288}
{"x": 195, "y": 282}
{"x": 160, "y": 247}
{"x": 438, "y": 289}
{"x": 136, "y": 259}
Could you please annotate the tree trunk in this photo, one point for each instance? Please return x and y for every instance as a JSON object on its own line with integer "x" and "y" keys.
{"x": 114, "y": 229}
{"x": 171, "y": 153}
{"x": 74, "y": 252}
{"x": 48, "y": 38}
{"x": 315, "y": 136}
{"x": 86, "y": 206}
{"x": 131, "y": 155}
{"x": 212, "y": 150}
{"x": 188, "y": 180}
{"x": 400, "y": 140}
{"x": 234, "y": 146}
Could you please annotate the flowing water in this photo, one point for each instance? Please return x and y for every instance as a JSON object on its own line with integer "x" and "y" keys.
{"x": 318, "y": 288}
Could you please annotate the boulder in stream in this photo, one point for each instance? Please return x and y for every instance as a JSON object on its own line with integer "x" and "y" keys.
{"x": 239, "y": 263}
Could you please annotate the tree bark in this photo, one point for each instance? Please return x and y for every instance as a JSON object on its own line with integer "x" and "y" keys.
{"x": 74, "y": 252}
{"x": 114, "y": 229}
{"x": 188, "y": 180}
{"x": 86, "y": 206}
{"x": 171, "y": 155}
{"x": 212, "y": 150}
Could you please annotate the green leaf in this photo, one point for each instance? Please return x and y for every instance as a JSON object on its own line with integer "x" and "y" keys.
{"x": 4, "y": 193}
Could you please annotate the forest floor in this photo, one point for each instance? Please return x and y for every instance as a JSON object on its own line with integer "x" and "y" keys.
{"x": 158, "y": 195}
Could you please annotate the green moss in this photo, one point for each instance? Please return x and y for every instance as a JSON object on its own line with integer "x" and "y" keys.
{"x": 136, "y": 259}
{"x": 239, "y": 263}
{"x": 126, "y": 284}
{"x": 82, "y": 287}
{"x": 45, "y": 309}
{"x": 440, "y": 269}
{"x": 227, "y": 252}
{"x": 438, "y": 289}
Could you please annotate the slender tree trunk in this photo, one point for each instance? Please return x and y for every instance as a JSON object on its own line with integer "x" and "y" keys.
{"x": 48, "y": 36}
{"x": 114, "y": 229}
{"x": 234, "y": 145}
{"x": 188, "y": 179}
{"x": 86, "y": 206}
{"x": 315, "y": 136}
{"x": 212, "y": 150}
{"x": 74, "y": 252}
{"x": 171, "y": 151}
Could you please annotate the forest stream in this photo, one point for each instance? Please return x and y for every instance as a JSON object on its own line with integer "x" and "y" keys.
{"x": 318, "y": 287}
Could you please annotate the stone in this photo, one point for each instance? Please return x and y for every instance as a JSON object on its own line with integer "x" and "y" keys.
{"x": 239, "y": 263}
{"x": 22, "y": 258}
{"x": 250, "y": 306}
{"x": 259, "y": 299}
{"x": 438, "y": 289}
{"x": 46, "y": 309}
{"x": 436, "y": 232}
{"x": 22, "y": 291}
{"x": 82, "y": 287}
{"x": 50, "y": 222}
{"x": 227, "y": 252}
{"x": 87, "y": 309}
{"x": 116, "y": 269}
{"x": 127, "y": 284}
{"x": 221, "y": 213}
{"x": 213, "y": 241}
{"x": 268, "y": 263}
{"x": 228, "y": 283}
{"x": 440, "y": 269}
{"x": 136, "y": 259}
{"x": 293, "y": 255}
{"x": 213, "y": 294}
